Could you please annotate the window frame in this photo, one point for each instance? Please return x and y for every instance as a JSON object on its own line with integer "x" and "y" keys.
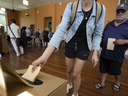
{"x": 6, "y": 24}
{"x": 124, "y": 2}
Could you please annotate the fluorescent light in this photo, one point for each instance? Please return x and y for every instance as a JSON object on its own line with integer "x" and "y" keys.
{"x": 25, "y": 2}
{"x": 3, "y": 9}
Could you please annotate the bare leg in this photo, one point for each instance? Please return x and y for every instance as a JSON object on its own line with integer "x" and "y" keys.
{"x": 117, "y": 77}
{"x": 77, "y": 74}
{"x": 69, "y": 64}
{"x": 104, "y": 76}
{"x": 46, "y": 44}
{"x": 43, "y": 42}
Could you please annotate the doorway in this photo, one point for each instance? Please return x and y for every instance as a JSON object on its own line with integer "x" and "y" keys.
{"x": 48, "y": 23}
{"x": 32, "y": 26}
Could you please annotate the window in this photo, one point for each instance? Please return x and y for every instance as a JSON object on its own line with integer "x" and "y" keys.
{"x": 3, "y": 19}
{"x": 123, "y": 1}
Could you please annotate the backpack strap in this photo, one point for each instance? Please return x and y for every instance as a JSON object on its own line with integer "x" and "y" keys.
{"x": 99, "y": 9}
{"x": 107, "y": 25}
{"x": 74, "y": 9}
{"x": 73, "y": 15}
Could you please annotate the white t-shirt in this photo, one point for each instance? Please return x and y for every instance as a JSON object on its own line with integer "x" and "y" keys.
{"x": 15, "y": 29}
{"x": 27, "y": 31}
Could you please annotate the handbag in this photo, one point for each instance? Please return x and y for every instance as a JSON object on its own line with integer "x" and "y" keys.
{"x": 19, "y": 41}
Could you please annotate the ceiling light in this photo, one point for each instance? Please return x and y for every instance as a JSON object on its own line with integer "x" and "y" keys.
{"x": 25, "y": 2}
{"x": 60, "y": 3}
{"x": 3, "y": 9}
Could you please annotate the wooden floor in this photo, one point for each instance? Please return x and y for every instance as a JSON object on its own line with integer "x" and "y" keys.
{"x": 56, "y": 66}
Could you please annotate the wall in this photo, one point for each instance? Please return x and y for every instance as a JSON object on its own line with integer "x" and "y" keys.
{"x": 39, "y": 19}
{"x": 110, "y": 9}
{"x": 27, "y": 20}
{"x": 12, "y": 15}
{"x": 35, "y": 18}
{"x": 59, "y": 10}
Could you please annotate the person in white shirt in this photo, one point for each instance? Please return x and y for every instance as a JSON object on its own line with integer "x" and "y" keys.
{"x": 28, "y": 35}
{"x": 16, "y": 30}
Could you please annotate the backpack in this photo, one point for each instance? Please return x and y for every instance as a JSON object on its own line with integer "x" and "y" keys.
{"x": 107, "y": 25}
{"x": 43, "y": 34}
{"x": 74, "y": 9}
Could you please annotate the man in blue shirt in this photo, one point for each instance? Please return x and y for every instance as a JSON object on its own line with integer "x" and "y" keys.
{"x": 111, "y": 59}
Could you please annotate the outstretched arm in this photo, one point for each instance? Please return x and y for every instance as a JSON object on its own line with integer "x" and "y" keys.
{"x": 41, "y": 61}
{"x": 121, "y": 42}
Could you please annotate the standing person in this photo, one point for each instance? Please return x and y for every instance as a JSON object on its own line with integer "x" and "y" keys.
{"x": 23, "y": 35}
{"x": 31, "y": 31}
{"x": 111, "y": 60}
{"x": 52, "y": 35}
{"x": 46, "y": 37}
{"x": 37, "y": 37}
{"x": 78, "y": 40}
{"x": 16, "y": 31}
{"x": 42, "y": 37}
{"x": 28, "y": 35}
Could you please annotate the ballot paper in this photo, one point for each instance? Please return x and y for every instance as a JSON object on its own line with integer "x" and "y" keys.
{"x": 110, "y": 44}
{"x": 31, "y": 76}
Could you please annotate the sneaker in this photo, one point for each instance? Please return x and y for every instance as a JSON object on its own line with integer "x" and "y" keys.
{"x": 69, "y": 87}
{"x": 76, "y": 95}
{"x": 17, "y": 55}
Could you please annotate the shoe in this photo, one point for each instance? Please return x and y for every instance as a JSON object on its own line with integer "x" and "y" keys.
{"x": 116, "y": 87}
{"x": 76, "y": 95}
{"x": 17, "y": 55}
{"x": 22, "y": 53}
{"x": 99, "y": 86}
{"x": 69, "y": 87}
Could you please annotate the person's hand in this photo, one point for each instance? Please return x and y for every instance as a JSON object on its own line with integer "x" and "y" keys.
{"x": 94, "y": 58}
{"x": 120, "y": 42}
{"x": 43, "y": 59}
{"x": 39, "y": 62}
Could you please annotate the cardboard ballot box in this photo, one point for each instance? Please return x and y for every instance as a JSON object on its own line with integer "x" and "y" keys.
{"x": 3, "y": 41}
{"x": 52, "y": 85}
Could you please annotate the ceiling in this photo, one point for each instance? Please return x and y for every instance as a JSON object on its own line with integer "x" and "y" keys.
{"x": 18, "y": 4}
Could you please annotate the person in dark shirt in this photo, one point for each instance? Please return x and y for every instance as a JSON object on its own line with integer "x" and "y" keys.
{"x": 46, "y": 37}
{"x": 37, "y": 37}
{"x": 23, "y": 35}
{"x": 31, "y": 31}
{"x": 111, "y": 59}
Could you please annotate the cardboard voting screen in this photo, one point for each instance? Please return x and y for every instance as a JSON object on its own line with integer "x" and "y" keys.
{"x": 9, "y": 71}
{"x": 3, "y": 91}
{"x": 110, "y": 44}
